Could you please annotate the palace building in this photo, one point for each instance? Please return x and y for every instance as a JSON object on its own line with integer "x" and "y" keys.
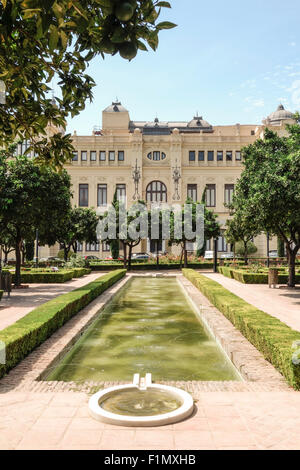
{"x": 203, "y": 155}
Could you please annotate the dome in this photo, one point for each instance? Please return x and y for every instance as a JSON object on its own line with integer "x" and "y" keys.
{"x": 281, "y": 114}
{"x": 116, "y": 107}
{"x": 198, "y": 122}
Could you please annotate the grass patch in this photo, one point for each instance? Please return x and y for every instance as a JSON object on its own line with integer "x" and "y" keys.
{"x": 273, "y": 338}
{"x": 32, "y": 330}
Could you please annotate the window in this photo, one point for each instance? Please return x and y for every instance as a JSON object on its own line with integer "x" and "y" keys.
{"x": 192, "y": 155}
{"x": 229, "y": 190}
{"x": 92, "y": 247}
{"x": 156, "y": 192}
{"x": 23, "y": 146}
{"x": 105, "y": 246}
{"x": 93, "y": 155}
{"x": 229, "y": 156}
{"x": 83, "y": 195}
{"x": 210, "y": 195}
{"x": 192, "y": 192}
{"x": 156, "y": 156}
{"x": 252, "y": 132}
{"x": 75, "y": 157}
{"x": 210, "y": 155}
{"x": 238, "y": 155}
{"x": 208, "y": 245}
{"x": 102, "y": 195}
{"x": 111, "y": 156}
{"x": 220, "y": 155}
{"x": 83, "y": 155}
{"x": 102, "y": 155}
{"x": 121, "y": 156}
{"x": 121, "y": 193}
{"x": 79, "y": 246}
{"x": 153, "y": 245}
{"x": 201, "y": 156}
{"x": 222, "y": 245}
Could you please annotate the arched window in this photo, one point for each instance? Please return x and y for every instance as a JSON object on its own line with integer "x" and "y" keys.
{"x": 156, "y": 156}
{"x": 156, "y": 192}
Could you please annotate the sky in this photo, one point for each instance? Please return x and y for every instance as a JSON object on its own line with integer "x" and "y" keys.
{"x": 230, "y": 62}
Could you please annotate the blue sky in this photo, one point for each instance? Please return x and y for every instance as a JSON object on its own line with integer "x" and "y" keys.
{"x": 232, "y": 61}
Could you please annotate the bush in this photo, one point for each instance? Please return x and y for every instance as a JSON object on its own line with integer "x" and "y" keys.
{"x": 273, "y": 338}
{"x": 38, "y": 325}
{"x": 240, "y": 249}
{"x": 79, "y": 272}
{"x": 1, "y": 293}
{"x": 77, "y": 261}
{"x": 42, "y": 277}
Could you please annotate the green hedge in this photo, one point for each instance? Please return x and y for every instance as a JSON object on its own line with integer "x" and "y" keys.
{"x": 148, "y": 266}
{"x": 1, "y": 293}
{"x": 79, "y": 272}
{"x": 273, "y": 338}
{"x": 33, "y": 329}
{"x": 253, "y": 278}
{"x": 45, "y": 278}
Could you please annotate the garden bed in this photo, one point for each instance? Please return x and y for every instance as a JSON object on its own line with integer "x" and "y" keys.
{"x": 45, "y": 276}
{"x": 147, "y": 266}
{"x": 38, "y": 325}
{"x": 273, "y": 338}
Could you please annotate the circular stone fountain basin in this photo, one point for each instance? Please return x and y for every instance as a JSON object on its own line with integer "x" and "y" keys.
{"x": 132, "y": 405}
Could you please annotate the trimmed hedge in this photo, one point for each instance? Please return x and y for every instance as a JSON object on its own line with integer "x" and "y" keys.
{"x": 253, "y": 278}
{"x": 79, "y": 272}
{"x": 146, "y": 267}
{"x": 45, "y": 278}
{"x": 1, "y": 293}
{"x": 33, "y": 329}
{"x": 273, "y": 338}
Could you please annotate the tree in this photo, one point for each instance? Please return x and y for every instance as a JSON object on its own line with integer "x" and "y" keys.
{"x": 242, "y": 229}
{"x": 114, "y": 244}
{"x": 79, "y": 225}
{"x": 269, "y": 189}
{"x": 42, "y": 40}
{"x": 31, "y": 198}
{"x": 212, "y": 228}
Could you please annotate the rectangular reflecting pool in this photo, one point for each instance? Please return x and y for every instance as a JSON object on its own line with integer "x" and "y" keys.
{"x": 149, "y": 326}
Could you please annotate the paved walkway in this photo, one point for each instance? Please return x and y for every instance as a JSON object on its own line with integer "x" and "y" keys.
{"x": 282, "y": 303}
{"x": 22, "y": 301}
{"x": 231, "y": 420}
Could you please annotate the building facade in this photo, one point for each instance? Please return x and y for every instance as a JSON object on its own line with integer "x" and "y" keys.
{"x": 204, "y": 156}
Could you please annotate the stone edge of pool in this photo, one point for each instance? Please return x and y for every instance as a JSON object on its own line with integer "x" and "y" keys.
{"x": 256, "y": 372}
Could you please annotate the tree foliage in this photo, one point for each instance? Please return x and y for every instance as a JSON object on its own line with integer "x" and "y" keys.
{"x": 80, "y": 225}
{"x": 240, "y": 230}
{"x": 31, "y": 198}
{"x": 269, "y": 189}
{"x": 45, "y": 39}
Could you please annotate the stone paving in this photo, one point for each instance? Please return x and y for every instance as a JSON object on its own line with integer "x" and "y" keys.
{"x": 282, "y": 302}
{"x": 22, "y": 301}
{"x": 254, "y": 414}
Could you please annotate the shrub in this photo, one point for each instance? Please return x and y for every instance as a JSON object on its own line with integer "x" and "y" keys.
{"x": 77, "y": 261}
{"x": 240, "y": 248}
{"x": 43, "y": 277}
{"x": 33, "y": 329}
{"x": 273, "y": 338}
{"x": 79, "y": 272}
{"x": 1, "y": 293}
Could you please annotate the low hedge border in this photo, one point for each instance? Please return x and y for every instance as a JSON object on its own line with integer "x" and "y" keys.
{"x": 45, "y": 278}
{"x": 253, "y": 278}
{"x": 148, "y": 267}
{"x": 38, "y": 325}
{"x": 273, "y": 338}
{"x": 79, "y": 272}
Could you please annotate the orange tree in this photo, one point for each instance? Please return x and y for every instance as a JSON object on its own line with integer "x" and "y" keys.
{"x": 43, "y": 39}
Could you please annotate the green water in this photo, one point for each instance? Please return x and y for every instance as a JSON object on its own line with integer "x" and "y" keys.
{"x": 140, "y": 403}
{"x": 149, "y": 326}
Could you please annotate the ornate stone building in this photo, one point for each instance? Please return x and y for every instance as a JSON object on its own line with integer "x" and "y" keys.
{"x": 174, "y": 160}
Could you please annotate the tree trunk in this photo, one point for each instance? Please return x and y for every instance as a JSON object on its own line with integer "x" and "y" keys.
{"x": 23, "y": 254}
{"x": 181, "y": 256}
{"x": 18, "y": 262}
{"x": 124, "y": 254}
{"x": 246, "y": 253}
{"x": 129, "y": 257}
{"x": 157, "y": 254}
{"x": 5, "y": 256}
{"x": 66, "y": 252}
{"x": 292, "y": 253}
{"x": 185, "y": 256}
